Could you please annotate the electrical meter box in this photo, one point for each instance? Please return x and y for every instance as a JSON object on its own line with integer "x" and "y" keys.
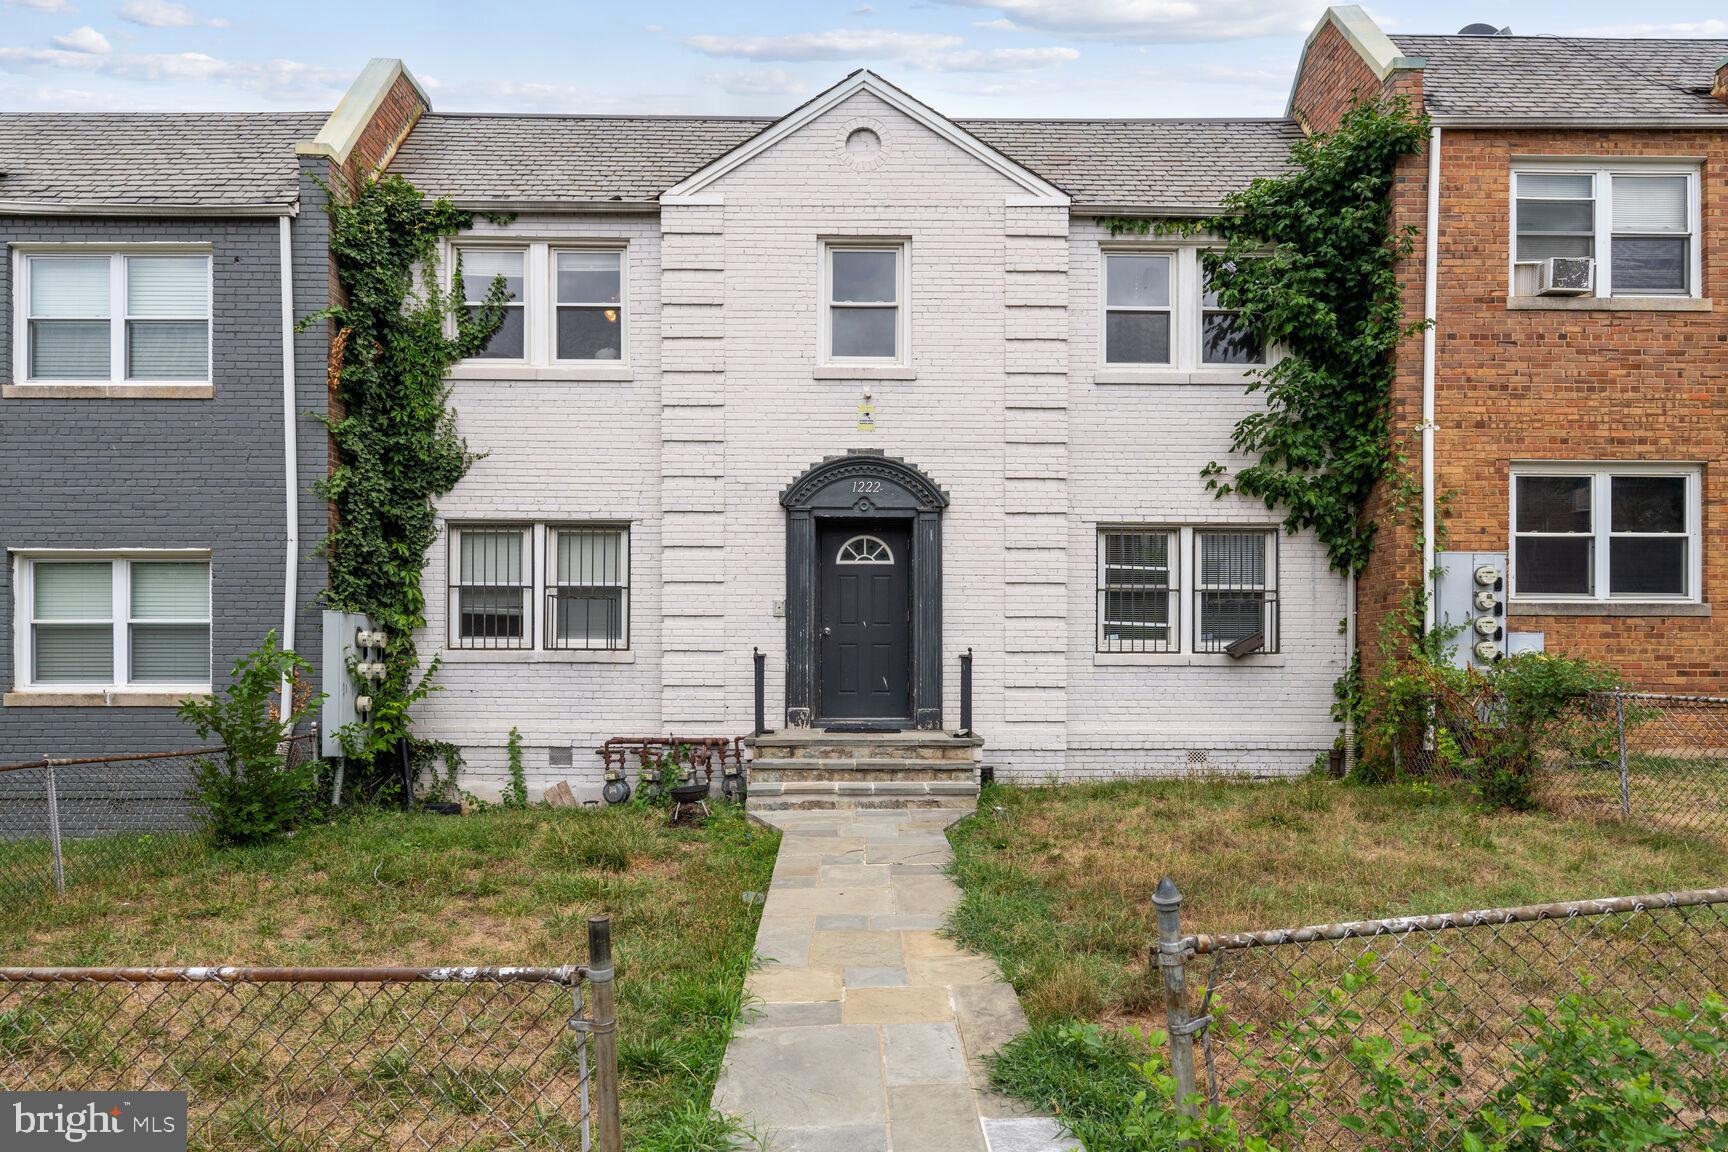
{"x": 341, "y": 691}
{"x": 1470, "y": 600}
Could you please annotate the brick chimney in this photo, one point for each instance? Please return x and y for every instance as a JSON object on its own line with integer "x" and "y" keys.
{"x": 1720, "y": 88}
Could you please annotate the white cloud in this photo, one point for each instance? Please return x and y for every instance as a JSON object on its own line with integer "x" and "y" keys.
{"x": 862, "y": 10}
{"x": 535, "y": 96}
{"x": 1706, "y": 29}
{"x": 997, "y": 25}
{"x": 85, "y": 39}
{"x": 276, "y": 79}
{"x": 1156, "y": 21}
{"x": 655, "y": 28}
{"x": 761, "y": 82}
{"x": 840, "y": 44}
{"x": 166, "y": 14}
{"x": 995, "y": 59}
{"x": 43, "y": 5}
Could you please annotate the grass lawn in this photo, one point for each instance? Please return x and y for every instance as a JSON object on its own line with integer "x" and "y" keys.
{"x": 490, "y": 888}
{"x": 1058, "y": 885}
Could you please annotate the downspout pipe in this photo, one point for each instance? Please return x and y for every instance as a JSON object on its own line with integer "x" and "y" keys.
{"x": 290, "y": 461}
{"x": 1430, "y": 292}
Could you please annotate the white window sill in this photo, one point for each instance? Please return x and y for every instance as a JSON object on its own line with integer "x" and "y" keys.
{"x": 539, "y": 656}
{"x": 1610, "y": 304}
{"x": 865, "y": 372}
{"x": 103, "y": 698}
{"x": 76, "y": 390}
{"x": 1605, "y": 608}
{"x": 516, "y": 370}
{"x": 1150, "y": 375}
{"x": 1188, "y": 660}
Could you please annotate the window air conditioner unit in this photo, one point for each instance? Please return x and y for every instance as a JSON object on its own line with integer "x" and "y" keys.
{"x": 1566, "y": 276}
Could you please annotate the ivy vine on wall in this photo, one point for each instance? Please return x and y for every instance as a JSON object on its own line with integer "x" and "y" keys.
{"x": 1310, "y": 258}
{"x": 398, "y": 331}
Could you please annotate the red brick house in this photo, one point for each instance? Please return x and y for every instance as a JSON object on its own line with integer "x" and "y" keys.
{"x": 1569, "y": 407}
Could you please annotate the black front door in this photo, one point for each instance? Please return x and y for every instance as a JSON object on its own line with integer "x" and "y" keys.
{"x": 865, "y": 624}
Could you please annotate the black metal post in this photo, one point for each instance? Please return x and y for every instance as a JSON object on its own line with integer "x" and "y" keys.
{"x": 966, "y": 692}
{"x": 761, "y": 659}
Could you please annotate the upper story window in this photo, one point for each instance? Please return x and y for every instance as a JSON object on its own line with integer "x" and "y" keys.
{"x": 1159, "y": 312}
{"x": 138, "y": 620}
{"x": 864, "y": 294}
{"x": 1639, "y": 225}
{"x": 114, "y": 317}
{"x": 579, "y": 595}
{"x": 1605, "y": 532}
{"x": 566, "y": 305}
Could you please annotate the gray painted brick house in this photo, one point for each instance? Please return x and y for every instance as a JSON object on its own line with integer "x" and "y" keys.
{"x": 146, "y": 413}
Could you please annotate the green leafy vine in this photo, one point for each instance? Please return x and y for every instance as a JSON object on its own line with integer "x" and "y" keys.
{"x": 1309, "y": 258}
{"x": 398, "y": 331}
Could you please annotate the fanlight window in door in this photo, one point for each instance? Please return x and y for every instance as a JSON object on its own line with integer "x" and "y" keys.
{"x": 864, "y": 550}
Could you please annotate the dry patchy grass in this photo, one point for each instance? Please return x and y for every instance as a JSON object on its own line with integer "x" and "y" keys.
{"x": 1059, "y": 881}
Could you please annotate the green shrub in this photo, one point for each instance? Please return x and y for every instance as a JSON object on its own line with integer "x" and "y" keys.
{"x": 516, "y": 792}
{"x": 249, "y": 792}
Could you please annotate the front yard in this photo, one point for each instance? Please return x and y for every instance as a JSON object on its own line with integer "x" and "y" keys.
{"x": 499, "y": 887}
{"x": 1058, "y": 885}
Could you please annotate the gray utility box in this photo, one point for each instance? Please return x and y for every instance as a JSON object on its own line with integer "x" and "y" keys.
{"x": 340, "y": 688}
{"x": 1470, "y": 596}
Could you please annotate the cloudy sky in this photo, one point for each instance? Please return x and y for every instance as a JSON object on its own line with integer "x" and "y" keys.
{"x": 965, "y": 57}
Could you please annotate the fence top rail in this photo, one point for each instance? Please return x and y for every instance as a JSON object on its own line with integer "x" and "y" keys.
{"x": 570, "y": 974}
{"x": 1403, "y": 925}
{"x": 121, "y": 758}
{"x": 1663, "y": 697}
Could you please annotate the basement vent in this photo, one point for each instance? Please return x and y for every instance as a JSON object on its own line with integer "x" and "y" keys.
{"x": 1197, "y": 758}
{"x": 559, "y": 757}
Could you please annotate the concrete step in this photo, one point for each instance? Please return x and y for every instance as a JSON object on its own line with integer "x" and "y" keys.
{"x": 781, "y": 795}
{"x": 816, "y": 744}
{"x": 767, "y": 771}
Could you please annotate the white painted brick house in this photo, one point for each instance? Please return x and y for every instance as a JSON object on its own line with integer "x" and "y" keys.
{"x": 711, "y": 308}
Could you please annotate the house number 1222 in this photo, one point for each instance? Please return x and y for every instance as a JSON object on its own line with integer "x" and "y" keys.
{"x": 868, "y": 487}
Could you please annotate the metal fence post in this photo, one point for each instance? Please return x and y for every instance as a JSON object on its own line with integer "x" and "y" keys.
{"x": 966, "y": 692}
{"x": 54, "y": 829}
{"x": 1625, "y": 777}
{"x": 605, "y": 1031}
{"x": 760, "y": 659}
{"x": 1172, "y": 960}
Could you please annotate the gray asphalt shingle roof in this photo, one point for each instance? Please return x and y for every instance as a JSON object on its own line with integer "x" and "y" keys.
{"x": 1567, "y": 76}
{"x": 218, "y": 160}
{"x": 552, "y": 159}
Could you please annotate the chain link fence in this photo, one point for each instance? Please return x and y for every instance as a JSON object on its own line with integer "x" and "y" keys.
{"x": 352, "y": 1059}
{"x": 69, "y": 822}
{"x": 1657, "y": 760}
{"x": 1293, "y": 1028}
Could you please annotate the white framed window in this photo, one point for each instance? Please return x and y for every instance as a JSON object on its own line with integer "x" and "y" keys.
{"x": 865, "y": 550}
{"x": 567, "y": 306}
{"x": 587, "y": 587}
{"x": 93, "y": 316}
{"x": 582, "y": 586}
{"x": 1159, "y": 312}
{"x": 1639, "y": 222}
{"x": 864, "y": 302}
{"x": 1621, "y": 532}
{"x": 1139, "y": 603}
{"x": 1231, "y": 574}
{"x": 1235, "y": 589}
{"x": 90, "y": 621}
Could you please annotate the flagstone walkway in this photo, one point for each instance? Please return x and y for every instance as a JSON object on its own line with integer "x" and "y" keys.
{"x": 871, "y": 1027}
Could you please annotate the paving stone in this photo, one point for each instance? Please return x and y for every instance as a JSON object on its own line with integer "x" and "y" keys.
{"x": 923, "y": 1054}
{"x": 784, "y": 942}
{"x": 952, "y": 970}
{"x": 843, "y": 923}
{"x": 989, "y": 1016}
{"x": 832, "y": 1138}
{"x": 895, "y": 852}
{"x": 858, "y": 875}
{"x": 934, "y": 1116}
{"x": 792, "y": 1014}
{"x": 782, "y": 985}
{"x": 863, "y": 976}
{"x": 854, "y": 857}
{"x": 1031, "y": 1134}
{"x": 916, "y": 869}
{"x": 899, "y": 921}
{"x": 930, "y": 943}
{"x": 840, "y": 949}
{"x": 896, "y": 1005}
{"x": 803, "y": 1077}
{"x": 928, "y": 894}
{"x": 828, "y": 901}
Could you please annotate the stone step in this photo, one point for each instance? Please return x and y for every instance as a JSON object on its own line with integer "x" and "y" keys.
{"x": 815, "y": 744}
{"x": 766, "y": 771}
{"x": 782, "y": 795}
